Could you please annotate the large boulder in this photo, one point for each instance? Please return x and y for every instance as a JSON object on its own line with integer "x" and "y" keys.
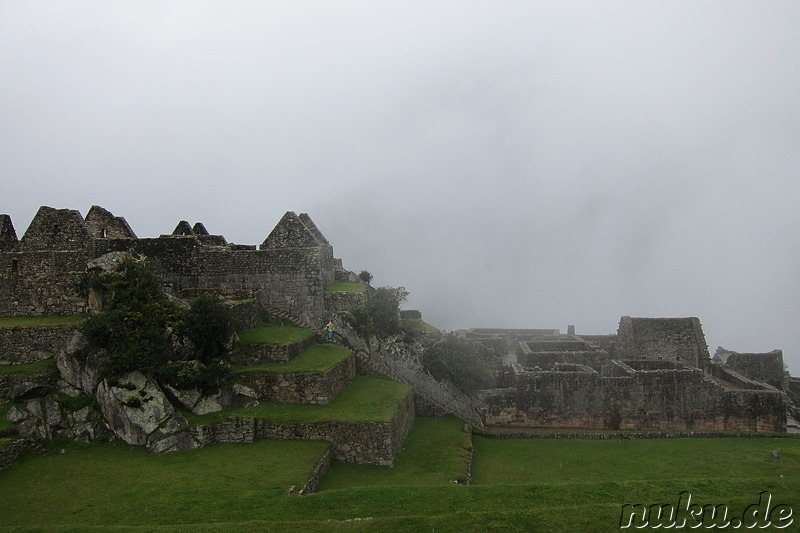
{"x": 139, "y": 413}
{"x": 80, "y": 374}
{"x": 194, "y": 401}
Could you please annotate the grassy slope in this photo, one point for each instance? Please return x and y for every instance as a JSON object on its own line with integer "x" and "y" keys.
{"x": 274, "y": 334}
{"x": 40, "y": 321}
{"x": 40, "y": 367}
{"x": 346, "y": 286}
{"x": 366, "y": 399}
{"x": 315, "y": 358}
{"x": 234, "y": 489}
{"x": 435, "y": 453}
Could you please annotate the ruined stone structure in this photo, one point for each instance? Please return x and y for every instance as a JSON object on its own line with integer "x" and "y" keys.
{"x": 40, "y": 272}
{"x": 655, "y": 374}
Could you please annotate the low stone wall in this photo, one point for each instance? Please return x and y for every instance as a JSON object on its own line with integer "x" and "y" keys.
{"x": 262, "y": 353}
{"x": 17, "y": 387}
{"x": 245, "y": 315}
{"x": 299, "y": 387}
{"x": 339, "y": 302}
{"x": 374, "y": 443}
{"x": 21, "y": 345}
{"x": 318, "y": 473}
{"x": 631, "y": 435}
{"x": 9, "y": 453}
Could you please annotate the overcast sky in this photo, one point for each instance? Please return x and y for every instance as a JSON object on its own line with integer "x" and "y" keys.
{"x": 512, "y": 164}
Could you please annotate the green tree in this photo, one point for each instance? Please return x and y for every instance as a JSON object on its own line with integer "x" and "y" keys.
{"x": 208, "y": 326}
{"x": 365, "y": 276}
{"x": 136, "y": 328}
{"x": 131, "y": 332}
{"x": 380, "y": 316}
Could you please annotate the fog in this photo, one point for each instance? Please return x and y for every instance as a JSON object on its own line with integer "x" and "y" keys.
{"x": 512, "y": 164}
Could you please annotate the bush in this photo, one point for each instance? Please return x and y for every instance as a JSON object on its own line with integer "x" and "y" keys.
{"x": 380, "y": 316}
{"x": 365, "y": 276}
{"x": 207, "y": 325}
{"x": 134, "y": 331}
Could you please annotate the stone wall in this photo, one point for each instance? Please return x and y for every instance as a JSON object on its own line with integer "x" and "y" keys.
{"x": 39, "y": 273}
{"x": 678, "y": 339}
{"x": 261, "y": 353}
{"x": 22, "y": 345}
{"x": 10, "y": 451}
{"x": 667, "y": 399}
{"x": 594, "y": 359}
{"x": 319, "y": 471}
{"x": 763, "y": 367}
{"x": 362, "y": 442}
{"x": 340, "y": 302}
{"x": 299, "y": 387}
{"x": 245, "y": 315}
{"x": 18, "y": 387}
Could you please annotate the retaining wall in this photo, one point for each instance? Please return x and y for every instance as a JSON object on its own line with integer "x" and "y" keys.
{"x": 299, "y": 387}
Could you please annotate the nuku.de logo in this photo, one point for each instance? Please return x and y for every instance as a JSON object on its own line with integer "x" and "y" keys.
{"x": 686, "y": 514}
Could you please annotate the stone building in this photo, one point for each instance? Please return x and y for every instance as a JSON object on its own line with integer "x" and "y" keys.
{"x": 654, "y": 374}
{"x": 39, "y": 273}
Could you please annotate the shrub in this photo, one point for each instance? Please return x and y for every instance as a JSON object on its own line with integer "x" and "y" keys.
{"x": 380, "y": 316}
{"x": 365, "y": 276}
{"x": 134, "y": 330}
{"x": 207, "y": 325}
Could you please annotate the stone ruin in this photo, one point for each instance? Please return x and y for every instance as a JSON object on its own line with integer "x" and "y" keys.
{"x": 654, "y": 374}
{"x": 39, "y": 272}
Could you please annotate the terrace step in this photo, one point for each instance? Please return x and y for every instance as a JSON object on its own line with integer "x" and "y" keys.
{"x": 316, "y": 376}
{"x": 367, "y": 423}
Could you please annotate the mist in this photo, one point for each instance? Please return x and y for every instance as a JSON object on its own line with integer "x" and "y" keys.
{"x": 514, "y": 164}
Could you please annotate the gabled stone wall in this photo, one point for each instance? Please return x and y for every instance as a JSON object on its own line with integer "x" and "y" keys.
{"x": 40, "y": 273}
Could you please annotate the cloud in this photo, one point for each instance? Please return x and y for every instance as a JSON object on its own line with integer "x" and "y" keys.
{"x": 517, "y": 164}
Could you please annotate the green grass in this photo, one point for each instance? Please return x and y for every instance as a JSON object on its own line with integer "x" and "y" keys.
{"x": 435, "y": 453}
{"x": 6, "y": 426}
{"x": 366, "y": 399}
{"x": 120, "y": 484}
{"x": 40, "y": 321}
{"x": 243, "y": 487}
{"x": 274, "y": 334}
{"x": 346, "y": 286}
{"x": 513, "y": 461}
{"x": 315, "y": 358}
{"x": 39, "y": 367}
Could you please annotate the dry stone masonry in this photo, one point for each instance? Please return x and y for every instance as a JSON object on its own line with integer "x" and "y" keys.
{"x": 654, "y": 374}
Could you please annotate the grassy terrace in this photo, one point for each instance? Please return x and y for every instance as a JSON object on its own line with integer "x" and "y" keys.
{"x": 518, "y": 485}
{"x": 346, "y": 286}
{"x": 6, "y": 426}
{"x": 366, "y": 399}
{"x": 435, "y": 453}
{"x": 39, "y": 367}
{"x": 274, "y": 334}
{"x": 40, "y": 321}
{"x": 315, "y": 358}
